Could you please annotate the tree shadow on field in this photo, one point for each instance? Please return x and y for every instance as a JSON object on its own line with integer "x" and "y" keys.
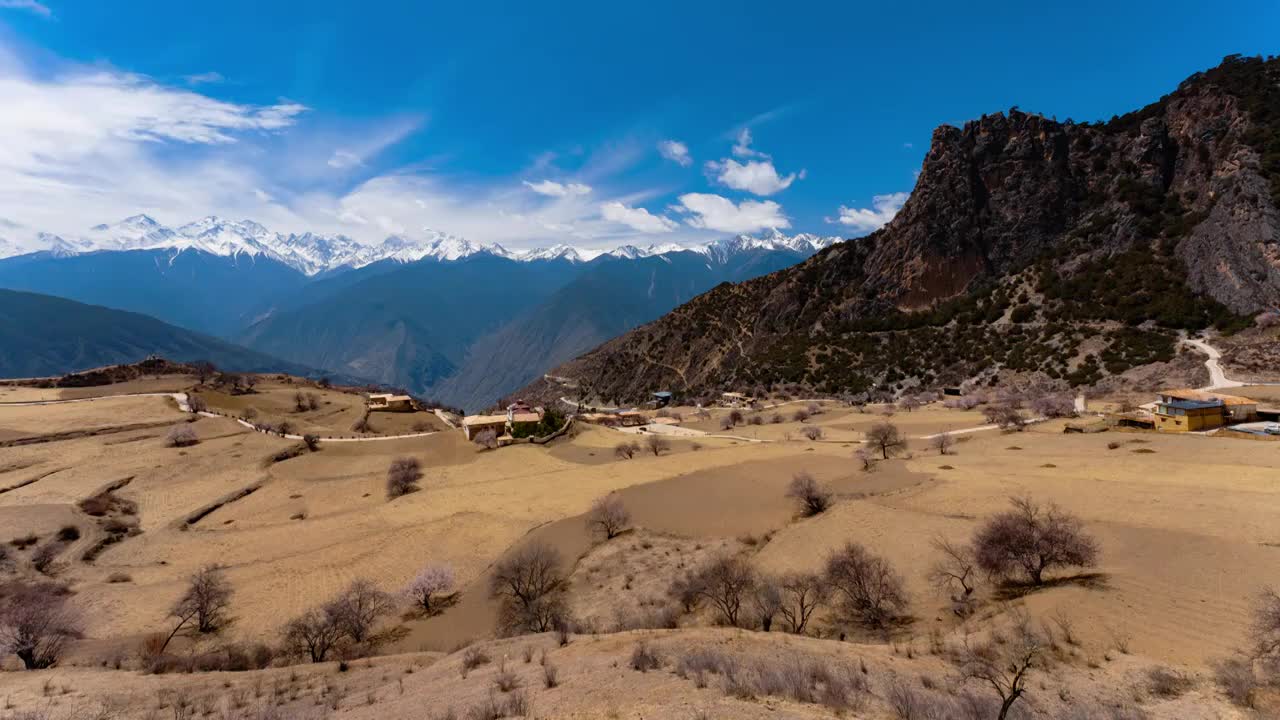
{"x": 1015, "y": 589}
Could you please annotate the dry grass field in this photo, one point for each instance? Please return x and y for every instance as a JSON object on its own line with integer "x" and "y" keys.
{"x": 1186, "y": 526}
{"x": 336, "y": 414}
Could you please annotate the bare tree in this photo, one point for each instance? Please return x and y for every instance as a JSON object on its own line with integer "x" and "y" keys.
{"x": 313, "y": 635}
{"x": 726, "y": 423}
{"x": 686, "y": 589}
{"x": 403, "y": 477}
{"x": 886, "y": 438}
{"x": 766, "y": 601}
{"x": 735, "y": 417}
{"x": 813, "y": 498}
{"x": 181, "y": 436}
{"x": 249, "y": 414}
{"x": 204, "y": 371}
{"x": 1031, "y": 539}
{"x": 626, "y": 450}
{"x": 942, "y": 442}
{"x": 1007, "y": 416}
{"x": 529, "y": 582}
{"x": 868, "y": 590}
{"x": 800, "y": 415}
{"x": 206, "y": 600}
{"x": 487, "y": 439}
{"x": 36, "y": 622}
{"x": 726, "y": 583}
{"x": 429, "y": 584}
{"x": 813, "y": 432}
{"x": 1003, "y": 667}
{"x": 358, "y": 609}
{"x": 299, "y": 401}
{"x": 196, "y": 403}
{"x": 609, "y": 516}
{"x": 802, "y": 594}
{"x": 955, "y": 573}
{"x": 1054, "y": 405}
{"x": 657, "y": 444}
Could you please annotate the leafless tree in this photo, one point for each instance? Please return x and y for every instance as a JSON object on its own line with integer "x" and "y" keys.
{"x": 955, "y": 573}
{"x": 1007, "y": 416}
{"x": 204, "y": 371}
{"x": 403, "y": 477}
{"x": 802, "y": 594}
{"x": 686, "y": 589}
{"x": 800, "y": 415}
{"x": 181, "y": 436}
{"x": 726, "y": 582}
{"x": 36, "y": 622}
{"x": 358, "y": 609}
{"x": 766, "y": 601}
{"x": 1032, "y": 538}
{"x": 206, "y": 600}
{"x": 362, "y": 425}
{"x": 608, "y": 516}
{"x": 299, "y": 401}
{"x": 313, "y": 401}
{"x": 196, "y": 403}
{"x": 657, "y": 444}
{"x": 867, "y": 589}
{"x": 429, "y": 584}
{"x": 909, "y": 403}
{"x": 487, "y": 439}
{"x": 1003, "y": 667}
{"x": 886, "y": 438}
{"x": 812, "y": 497}
{"x": 813, "y": 432}
{"x": 1054, "y": 405}
{"x": 313, "y": 635}
{"x": 735, "y": 417}
{"x": 865, "y": 457}
{"x": 942, "y": 442}
{"x": 626, "y": 450}
{"x": 250, "y": 413}
{"x": 529, "y": 582}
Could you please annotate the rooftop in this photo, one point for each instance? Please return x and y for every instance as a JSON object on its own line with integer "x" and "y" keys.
{"x": 1206, "y": 396}
{"x": 1193, "y": 404}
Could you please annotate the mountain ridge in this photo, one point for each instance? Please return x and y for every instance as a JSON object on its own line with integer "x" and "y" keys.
{"x": 1068, "y": 251}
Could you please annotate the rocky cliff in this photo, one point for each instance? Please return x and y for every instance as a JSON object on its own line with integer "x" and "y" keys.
{"x": 1068, "y": 250}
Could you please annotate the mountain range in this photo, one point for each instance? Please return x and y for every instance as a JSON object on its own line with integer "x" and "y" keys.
{"x": 462, "y": 322}
{"x": 1058, "y": 252}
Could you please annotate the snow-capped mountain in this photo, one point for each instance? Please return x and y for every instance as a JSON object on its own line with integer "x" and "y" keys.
{"x": 314, "y": 253}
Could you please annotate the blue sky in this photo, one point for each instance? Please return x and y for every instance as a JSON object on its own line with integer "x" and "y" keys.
{"x": 528, "y": 124}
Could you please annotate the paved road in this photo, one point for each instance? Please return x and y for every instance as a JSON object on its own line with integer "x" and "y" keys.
{"x": 1217, "y": 378}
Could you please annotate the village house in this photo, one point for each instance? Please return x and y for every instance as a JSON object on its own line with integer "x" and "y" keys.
{"x": 1236, "y": 409}
{"x": 389, "y": 402}
{"x": 1175, "y": 415}
{"x": 736, "y": 399}
{"x": 518, "y": 415}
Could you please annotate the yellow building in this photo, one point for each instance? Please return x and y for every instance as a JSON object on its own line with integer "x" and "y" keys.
{"x": 1175, "y": 415}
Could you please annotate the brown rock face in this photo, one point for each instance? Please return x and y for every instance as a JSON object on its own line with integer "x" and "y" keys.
{"x": 1166, "y": 218}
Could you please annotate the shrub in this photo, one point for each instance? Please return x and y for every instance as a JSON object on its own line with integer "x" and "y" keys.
{"x": 1007, "y": 416}
{"x": 44, "y": 558}
{"x": 657, "y": 444}
{"x": 755, "y": 420}
{"x": 1167, "y": 683}
{"x": 505, "y": 680}
{"x": 867, "y": 589}
{"x": 1234, "y": 676}
{"x": 550, "y": 673}
{"x": 776, "y": 418}
{"x": 644, "y": 658}
{"x": 800, "y": 415}
{"x": 312, "y": 441}
{"x": 608, "y": 516}
{"x": 865, "y": 457}
{"x": 69, "y": 533}
{"x": 431, "y": 582}
{"x": 473, "y": 657}
{"x": 626, "y": 450}
{"x": 766, "y": 601}
{"x": 1054, "y": 406}
{"x": 814, "y": 499}
{"x": 942, "y": 442}
{"x": 119, "y": 577}
{"x": 813, "y": 432}
{"x": 1031, "y": 539}
{"x": 1266, "y": 625}
{"x": 181, "y": 436}
{"x": 403, "y": 477}
{"x": 197, "y": 403}
{"x": 686, "y": 589}
{"x": 487, "y": 439}
{"x": 735, "y": 417}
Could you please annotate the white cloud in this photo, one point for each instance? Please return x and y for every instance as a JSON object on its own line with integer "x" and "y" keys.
{"x": 883, "y": 209}
{"x": 208, "y": 78}
{"x": 742, "y": 148}
{"x": 636, "y": 218}
{"x": 758, "y": 177}
{"x": 555, "y": 189}
{"x": 343, "y": 159}
{"x": 30, "y": 5}
{"x": 714, "y": 212}
{"x": 675, "y": 151}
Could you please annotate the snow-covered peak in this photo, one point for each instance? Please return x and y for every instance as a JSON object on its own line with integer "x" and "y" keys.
{"x": 555, "y": 252}
{"x": 314, "y": 253}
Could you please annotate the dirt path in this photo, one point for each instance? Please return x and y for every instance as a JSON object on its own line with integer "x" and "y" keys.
{"x": 1217, "y": 378}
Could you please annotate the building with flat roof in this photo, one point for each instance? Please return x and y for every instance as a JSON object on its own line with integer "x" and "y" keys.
{"x": 1236, "y": 408}
{"x": 1176, "y": 415}
{"x": 388, "y": 401}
